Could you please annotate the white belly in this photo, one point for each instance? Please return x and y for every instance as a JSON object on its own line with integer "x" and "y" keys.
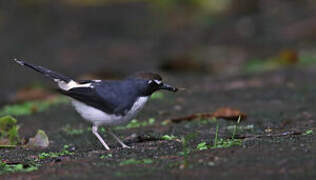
{"x": 98, "y": 117}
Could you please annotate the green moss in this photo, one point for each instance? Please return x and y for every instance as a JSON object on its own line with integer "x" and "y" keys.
{"x": 202, "y": 146}
{"x": 12, "y": 168}
{"x": 226, "y": 143}
{"x": 9, "y": 131}
{"x": 31, "y": 107}
{"x": 220, "y": 143}
{"x": 168, "y": 138}
{"x": 308, "y": 132}
{"x": 63, "y": 152}
{"x": 106, "y": 156}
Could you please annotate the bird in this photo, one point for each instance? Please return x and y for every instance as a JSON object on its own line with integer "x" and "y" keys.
{"x": 106, "y": 102}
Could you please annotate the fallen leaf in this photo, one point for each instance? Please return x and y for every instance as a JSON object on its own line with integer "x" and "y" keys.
{"x": 229, "y": 114}
{"x": 288, "y": 57}
{"x": 221, "y": 113}
{"x": 40, "y": 140}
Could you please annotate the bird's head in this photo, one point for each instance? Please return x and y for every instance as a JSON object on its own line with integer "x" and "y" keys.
{"x": 152, "y": 82}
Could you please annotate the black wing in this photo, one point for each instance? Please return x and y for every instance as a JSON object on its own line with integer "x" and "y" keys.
{"x": 105, "y": 96}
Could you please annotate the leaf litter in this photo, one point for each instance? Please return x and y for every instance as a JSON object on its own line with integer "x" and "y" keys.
{"x": 226, "y": 113}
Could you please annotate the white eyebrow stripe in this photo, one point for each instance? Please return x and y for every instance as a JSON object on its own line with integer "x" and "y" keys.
{"x": 157, "y": 82}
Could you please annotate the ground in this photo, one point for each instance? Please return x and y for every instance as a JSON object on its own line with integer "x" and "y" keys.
{"x": 259, "y": 59}
{"x": 278, "y": 137}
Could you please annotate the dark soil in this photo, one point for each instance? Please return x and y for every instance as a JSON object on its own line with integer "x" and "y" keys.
{"x": 280, "y": 107}
{"x": 205, "y": 56}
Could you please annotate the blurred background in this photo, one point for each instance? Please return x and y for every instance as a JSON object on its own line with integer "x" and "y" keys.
{"x": 108, "y": 39}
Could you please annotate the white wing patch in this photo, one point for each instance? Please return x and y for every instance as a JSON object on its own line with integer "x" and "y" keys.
{"x": 71, "y": 84}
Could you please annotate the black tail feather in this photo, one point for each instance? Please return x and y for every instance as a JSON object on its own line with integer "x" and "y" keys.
{"x": 48, "y": 73}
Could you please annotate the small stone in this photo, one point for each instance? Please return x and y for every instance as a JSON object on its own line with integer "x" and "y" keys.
{"x": 39, "y": 140}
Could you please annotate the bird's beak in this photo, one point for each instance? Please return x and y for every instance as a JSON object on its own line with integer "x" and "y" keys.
{"x": 168, "y": 88}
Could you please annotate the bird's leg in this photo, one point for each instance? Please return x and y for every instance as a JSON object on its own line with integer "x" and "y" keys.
{"x": 117, "y": 139}
{"x": 95, "y": 132}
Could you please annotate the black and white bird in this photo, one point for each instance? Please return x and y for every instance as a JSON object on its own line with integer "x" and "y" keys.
{"x": 106, "y": 102}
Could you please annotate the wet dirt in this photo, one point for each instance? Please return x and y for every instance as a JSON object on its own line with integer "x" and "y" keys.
{"x": 283, "y": 102}
{"x": 117, "y": 40}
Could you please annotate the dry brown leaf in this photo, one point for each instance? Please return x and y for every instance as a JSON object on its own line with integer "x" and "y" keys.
{"x": 288, "y": 56}
{"x": 221, "y": 113}
{"x": 229, "y": 114}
